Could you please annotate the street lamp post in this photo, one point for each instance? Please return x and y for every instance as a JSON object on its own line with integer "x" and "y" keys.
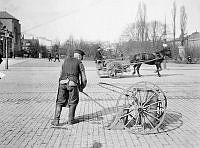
{"x": 5, "y": 37}
{"x": 164, "y": 62}
{"x": 6, "y": 48}
{"x": 165, "y": 41}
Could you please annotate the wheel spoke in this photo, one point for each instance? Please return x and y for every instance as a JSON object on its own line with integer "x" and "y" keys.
{"x": 143, "y": 124}
{"x": 154, "y": 110}
{"x": 139, "y": 98}
{"x": 145, "y": 95}
{"x": 152, "y": 116}
{"x": 124, "y": 115}
{"x": 131, "y": 120}
{"x": 149, "y": 121}
{"x": 153, "y": 103}
{"x": 137, "y": 119}
{"x": 128, "y": 108}
{"x": 148, "y": 99}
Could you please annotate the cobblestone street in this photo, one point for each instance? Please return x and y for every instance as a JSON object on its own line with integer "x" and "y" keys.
{"x": 27, "y": 101}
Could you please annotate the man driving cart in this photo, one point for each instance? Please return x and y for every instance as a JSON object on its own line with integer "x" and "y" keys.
{"x": 99, "y": 57}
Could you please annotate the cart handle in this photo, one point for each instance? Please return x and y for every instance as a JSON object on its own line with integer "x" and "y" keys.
{"x": 90, "y": 98}
{"x": 103, "y": 84}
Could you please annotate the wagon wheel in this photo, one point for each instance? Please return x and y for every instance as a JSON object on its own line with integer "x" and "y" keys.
{"x": 115, "y": 70}
{"x": 142, "y": 109}
{"x": 112, "y": 73}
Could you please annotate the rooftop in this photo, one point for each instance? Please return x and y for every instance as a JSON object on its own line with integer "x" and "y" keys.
{"x": 195, "y": 36}
{"x": 6, "y": 15}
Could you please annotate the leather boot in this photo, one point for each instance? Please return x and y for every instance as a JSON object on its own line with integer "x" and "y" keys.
{"x": 56, "y": 119}
{"x": 71, "y": 114}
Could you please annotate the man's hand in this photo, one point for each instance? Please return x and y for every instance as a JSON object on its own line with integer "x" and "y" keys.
{"x": 83, "y": 76}
{"x": 80, "y": 88}
{"x": 82, "y": 85}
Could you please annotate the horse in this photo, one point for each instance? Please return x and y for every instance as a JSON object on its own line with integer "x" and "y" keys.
{"x": 155, "y": 58}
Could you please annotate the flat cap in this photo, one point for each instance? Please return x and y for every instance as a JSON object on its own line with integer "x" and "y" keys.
{"x": 99, "y": 48}
{"x": 79, "y": 51}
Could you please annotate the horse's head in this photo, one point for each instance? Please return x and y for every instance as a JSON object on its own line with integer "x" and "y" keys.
{"x": 166, "y": 52}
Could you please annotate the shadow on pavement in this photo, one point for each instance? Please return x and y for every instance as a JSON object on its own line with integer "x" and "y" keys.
{"x": 96, "y": 116}
{"x": 172, "y": 121}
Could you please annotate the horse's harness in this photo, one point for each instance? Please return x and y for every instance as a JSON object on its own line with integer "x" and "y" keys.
{"x": 158, "y": 55}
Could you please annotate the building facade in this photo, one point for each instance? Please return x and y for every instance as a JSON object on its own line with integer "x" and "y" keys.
{"x": 194, "y": 40}
{"x": 13, "y": 25}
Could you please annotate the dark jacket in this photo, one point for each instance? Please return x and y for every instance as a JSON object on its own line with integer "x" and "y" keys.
{"x": 98, "y": 56}
{"x": 73, "y": 70}
{"x": 70, "y": 69}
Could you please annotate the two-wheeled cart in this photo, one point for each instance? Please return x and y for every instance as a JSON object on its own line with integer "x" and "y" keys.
{"x": 140, "y": 108}
{"x": 112, "y": 68}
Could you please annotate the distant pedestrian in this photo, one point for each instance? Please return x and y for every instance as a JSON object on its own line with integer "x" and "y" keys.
{"x": 1, "y": 60}
{"x": 57, "y": 57}
{"x": 11, "y": 54}
{"x": 122, "y": 56}
{"x": 99, "y": 59}
{"x": 49, "y": 57}
{"x": 98, "y": 56}
{"x": 72, "y": 80}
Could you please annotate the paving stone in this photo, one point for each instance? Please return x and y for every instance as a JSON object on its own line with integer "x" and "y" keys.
{"x": 27, "y": 107}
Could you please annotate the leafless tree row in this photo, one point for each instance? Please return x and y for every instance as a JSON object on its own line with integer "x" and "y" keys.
{"x": 153, "y": 32}
{"x": 71, "y": 44}
{"x": 140, "y": 35}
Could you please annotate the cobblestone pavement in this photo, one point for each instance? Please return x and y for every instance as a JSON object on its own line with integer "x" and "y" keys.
{"x": 27, "y": 101}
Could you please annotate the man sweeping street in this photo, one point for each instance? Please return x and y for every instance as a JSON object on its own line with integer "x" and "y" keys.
{"x": 72, "y": 80}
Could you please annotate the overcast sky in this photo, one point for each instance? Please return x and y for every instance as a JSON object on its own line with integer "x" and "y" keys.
{"x": 92, "y": 19}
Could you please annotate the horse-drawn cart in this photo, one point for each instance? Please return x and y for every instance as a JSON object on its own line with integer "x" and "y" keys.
{"x": 115, "y": 68}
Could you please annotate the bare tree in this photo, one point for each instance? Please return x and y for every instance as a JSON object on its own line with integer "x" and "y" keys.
{"x": 154, "y": 25}
{"x": 147, "y": 33}
{"x": 155, "y": 31}
{"x": 141, "y": 21}
{"x": 174, "y": 22}
{"x": 183, "y": 23}
{"x": 130, "y": 32}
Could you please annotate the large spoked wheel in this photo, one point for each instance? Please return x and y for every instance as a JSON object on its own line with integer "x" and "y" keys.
{"x": 141, "y": 108}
